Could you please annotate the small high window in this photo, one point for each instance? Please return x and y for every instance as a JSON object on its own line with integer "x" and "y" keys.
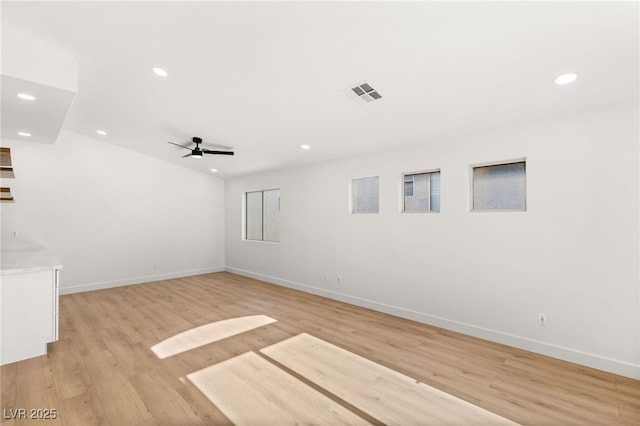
{"x": 500, "y": 187}
{"x": 421, "y": 192}
{"x": 365, "y": 196}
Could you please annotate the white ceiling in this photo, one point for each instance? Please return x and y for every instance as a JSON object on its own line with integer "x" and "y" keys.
{"x": 264, "y": 78}
{"x": 42, "y": 122}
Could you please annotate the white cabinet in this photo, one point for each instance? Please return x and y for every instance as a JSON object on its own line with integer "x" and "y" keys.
{"x": 28, "y": 302}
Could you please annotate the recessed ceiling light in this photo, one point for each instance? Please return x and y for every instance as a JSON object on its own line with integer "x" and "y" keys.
{"x": 160, "y": 71}
{"x": 26, "y": 97}
{"x": 24, "y": 134}
{"x": 566, "y": 79}
{"x": 305, "y": 147}
{"x": 214, "y": 170}
{"x": 101, "y": 132}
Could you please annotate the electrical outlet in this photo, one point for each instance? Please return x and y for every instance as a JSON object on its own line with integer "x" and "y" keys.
{"x": 542, "y": 319}
{"x": 340, "y": 279}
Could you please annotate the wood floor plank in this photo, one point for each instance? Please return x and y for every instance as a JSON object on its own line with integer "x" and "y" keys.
{"x": 385, "y": 394}
{"x": 628, "y": 391}
{"x": 68, "y": 371}
{"x": 121, "y": 402}
{"x": 252, "y": 391}
{"x": 603, "y": 400}
{"x": 163, "y": 401}
{"x": 173, "y": 374}
{"x": 36, "y": 390}
{"x": 83, "y": 410}
{"x": 206, "y": 334}
{"x": 76, "y": 325}
{"x": 104, "y": 372}
{"x": 8, "y": 396}
{"x": 630, "y": 413}
{"x": 132, "y": 357}
{"x": 130, "y": 320}
{"x": 8, "y": 387}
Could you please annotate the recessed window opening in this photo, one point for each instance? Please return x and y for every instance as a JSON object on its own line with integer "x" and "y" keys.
{"x": 421, "y": 192}
{"x": 262, "y": 215}
{"x": 365, "y": 195}
{"x": 499, "y": 187}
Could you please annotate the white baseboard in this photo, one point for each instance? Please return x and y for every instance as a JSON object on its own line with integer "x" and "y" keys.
{"x": 138, "y": 280}
{"x": 590, "y": 360}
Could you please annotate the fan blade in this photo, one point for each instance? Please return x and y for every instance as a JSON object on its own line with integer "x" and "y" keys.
{"x": 206, "y": 151}
{"x": 179, "y": 145}
{"x": 188, "y": 155}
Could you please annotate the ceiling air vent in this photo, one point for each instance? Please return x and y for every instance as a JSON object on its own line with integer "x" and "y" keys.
{"x": 364, "y": 92}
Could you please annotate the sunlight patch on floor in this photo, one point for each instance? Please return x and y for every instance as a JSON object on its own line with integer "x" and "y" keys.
{"x": 383, "y": 393}
{"x": 250, "y": 390}
{"x": 208, "y": 333}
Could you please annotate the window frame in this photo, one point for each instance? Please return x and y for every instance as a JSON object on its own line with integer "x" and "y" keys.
{"x": 403, "y": 196}
{"x": 472, "y": 167}
{"x": 245, "y": 216}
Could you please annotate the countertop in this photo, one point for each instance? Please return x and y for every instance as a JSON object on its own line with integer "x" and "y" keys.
{"x": 20, "y": 256}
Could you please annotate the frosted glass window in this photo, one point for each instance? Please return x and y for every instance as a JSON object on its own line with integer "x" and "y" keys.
{"x": 365, "y": 195}
{"x": 423, "y": 194}
{"x": 499, "y": 187}
{"x": 434, "y": 199}
{"x": 254, "y": 215}
{"x": 271, "y": 215}
{"x": 263, "y": 215}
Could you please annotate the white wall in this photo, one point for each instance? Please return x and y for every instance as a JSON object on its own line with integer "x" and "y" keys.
{"x": 573, "y": 255}
{"x": 111, "y": 215}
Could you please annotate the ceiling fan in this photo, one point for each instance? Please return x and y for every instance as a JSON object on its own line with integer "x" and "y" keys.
{"x": 198, "y": 152}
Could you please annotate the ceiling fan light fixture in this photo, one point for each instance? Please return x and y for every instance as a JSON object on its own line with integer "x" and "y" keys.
{"x": 198, "y": 152}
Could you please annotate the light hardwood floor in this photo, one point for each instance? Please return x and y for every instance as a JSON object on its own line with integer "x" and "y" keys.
{"x": 102, "y": 370}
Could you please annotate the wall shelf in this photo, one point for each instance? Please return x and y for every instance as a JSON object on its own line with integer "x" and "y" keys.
{"x": 6, "y": 168}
